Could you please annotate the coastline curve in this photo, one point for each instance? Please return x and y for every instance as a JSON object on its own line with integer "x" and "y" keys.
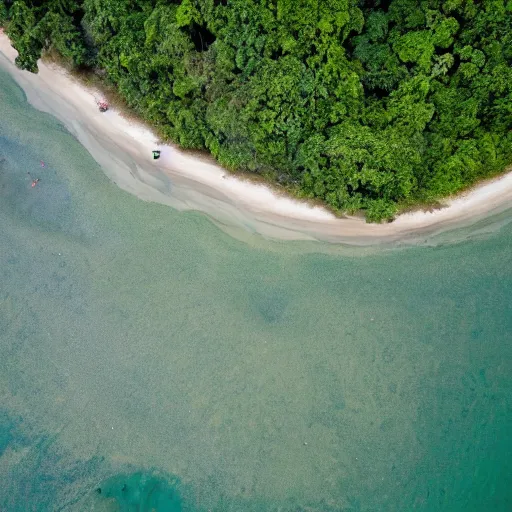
{"x": 241, "y": 208}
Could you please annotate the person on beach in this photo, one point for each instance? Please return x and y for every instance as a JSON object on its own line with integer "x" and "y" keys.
{"x": 103, "y": 106}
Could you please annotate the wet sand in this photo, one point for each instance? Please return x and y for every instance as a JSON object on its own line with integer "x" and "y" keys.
{"x": 187, "y": 182}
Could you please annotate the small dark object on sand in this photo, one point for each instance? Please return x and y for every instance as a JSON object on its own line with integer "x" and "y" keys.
{"x": 156, "y": 154}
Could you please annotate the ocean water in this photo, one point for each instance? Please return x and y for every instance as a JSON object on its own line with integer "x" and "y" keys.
{"x": 149, "y": 361}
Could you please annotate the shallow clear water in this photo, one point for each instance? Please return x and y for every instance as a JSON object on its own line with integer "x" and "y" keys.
{"x": 148, "y": 361}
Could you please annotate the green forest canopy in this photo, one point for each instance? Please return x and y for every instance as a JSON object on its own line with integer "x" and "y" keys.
{"x": 365, "y": 105}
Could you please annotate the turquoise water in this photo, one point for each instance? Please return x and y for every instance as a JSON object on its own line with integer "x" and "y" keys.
{"x": 148, "y": 361}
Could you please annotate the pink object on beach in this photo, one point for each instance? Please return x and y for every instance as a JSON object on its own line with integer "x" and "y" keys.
{"x": 103, "y": 106}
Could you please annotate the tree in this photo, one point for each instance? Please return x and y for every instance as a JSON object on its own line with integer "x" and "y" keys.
{"x": 364, "y": 105}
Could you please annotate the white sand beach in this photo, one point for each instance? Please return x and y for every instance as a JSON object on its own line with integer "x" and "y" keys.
{"x": 186, "y": 182}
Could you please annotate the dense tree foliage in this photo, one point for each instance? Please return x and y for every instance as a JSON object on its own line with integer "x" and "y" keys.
{"x": 365, "y": 104}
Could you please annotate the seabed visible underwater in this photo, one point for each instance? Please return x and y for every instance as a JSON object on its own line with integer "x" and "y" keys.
{"x": 149, "y": 361}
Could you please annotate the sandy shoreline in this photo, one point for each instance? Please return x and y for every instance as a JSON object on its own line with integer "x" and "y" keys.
{"x": 123, "y": 149}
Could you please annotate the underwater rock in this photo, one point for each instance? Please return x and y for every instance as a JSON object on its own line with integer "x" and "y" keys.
{"x": 143, "y": 492}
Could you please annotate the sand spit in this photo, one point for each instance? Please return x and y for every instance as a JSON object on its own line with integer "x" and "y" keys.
{"x": 185, "y": 182}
